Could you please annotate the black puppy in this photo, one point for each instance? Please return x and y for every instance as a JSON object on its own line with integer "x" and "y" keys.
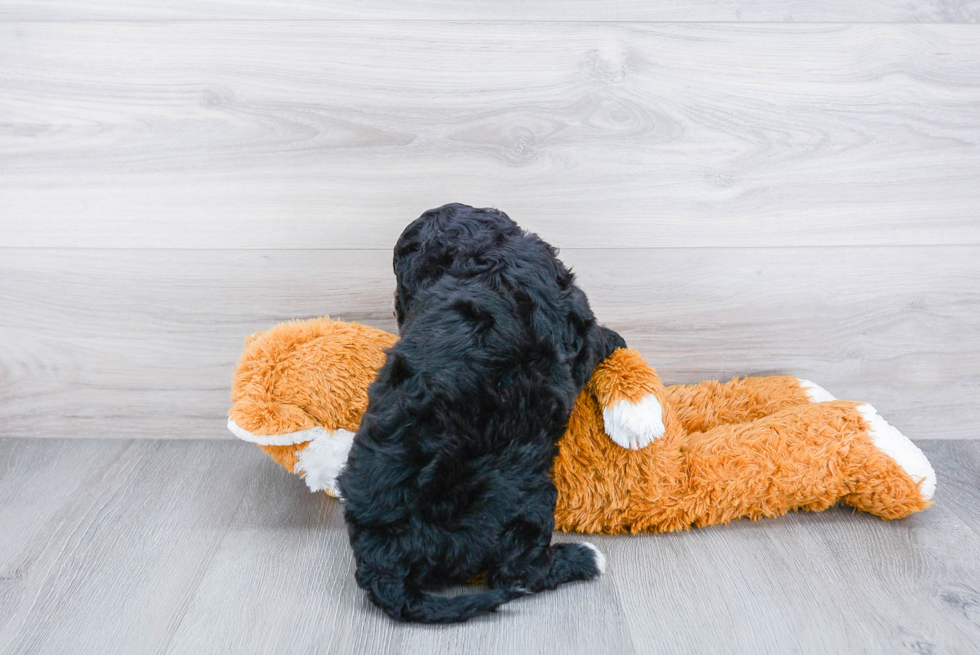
{"x": 449, "y": 474}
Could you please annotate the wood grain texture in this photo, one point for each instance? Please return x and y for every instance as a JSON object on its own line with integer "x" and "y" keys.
{"x": 115, "y": 562}
{"x": 792, "y": 11}
{"x": 907, "y": 589}
{"x": 962, "y": 493}
{"x": 192, "y": 547}
{"x": 772, "y": 586}
{"x": 270, "y": 134}
{"x": 119, "y": 343}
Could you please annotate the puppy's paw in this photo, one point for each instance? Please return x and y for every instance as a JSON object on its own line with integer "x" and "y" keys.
{"x": 634, "y": 425}
{"x": 600, "y": 559}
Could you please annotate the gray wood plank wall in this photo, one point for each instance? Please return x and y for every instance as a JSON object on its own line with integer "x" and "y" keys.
{"x": 743, "y": 188}
{"x": 780, "y": 11}
{"x": 333, "y": 134}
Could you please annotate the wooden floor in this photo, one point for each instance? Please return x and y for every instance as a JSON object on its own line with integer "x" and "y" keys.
{"x": 148, "y": 546}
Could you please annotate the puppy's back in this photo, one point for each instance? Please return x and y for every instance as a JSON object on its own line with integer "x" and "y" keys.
{"x": 469, "y": 390}
{"x": 448, "y": 476}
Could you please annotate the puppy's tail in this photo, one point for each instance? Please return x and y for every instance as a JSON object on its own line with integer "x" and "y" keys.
{"x": 403, "y": 604}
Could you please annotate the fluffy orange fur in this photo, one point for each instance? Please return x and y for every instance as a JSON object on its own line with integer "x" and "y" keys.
{"x": 306, "y": 373}
{"x": 747, "y": 448}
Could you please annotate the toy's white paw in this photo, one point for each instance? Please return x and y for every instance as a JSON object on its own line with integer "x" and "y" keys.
{"x": 634, "y": 425}
{"x": 901, "y": 449}
{"x": 815, "y": 392}
{"x": 321, "y": 462}
{"x": 600, "y": 559}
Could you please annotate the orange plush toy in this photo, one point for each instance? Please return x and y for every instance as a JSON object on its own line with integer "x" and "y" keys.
{"x": 637, "y": 456}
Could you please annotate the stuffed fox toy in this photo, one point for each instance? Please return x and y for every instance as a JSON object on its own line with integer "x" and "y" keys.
{"x": 637, "y": 456}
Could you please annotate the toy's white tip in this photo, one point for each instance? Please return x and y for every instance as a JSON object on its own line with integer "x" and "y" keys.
{"x": 285, "y": 439}
{"x": 600, "y": 559}
{"x": 321, "y": 462}
{"x": 815, "y": 392}
{"x": 634, "y": 425}
{"x": 901, "y": 449}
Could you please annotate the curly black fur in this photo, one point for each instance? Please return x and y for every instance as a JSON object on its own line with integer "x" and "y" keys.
{"x": 449, "y": 474}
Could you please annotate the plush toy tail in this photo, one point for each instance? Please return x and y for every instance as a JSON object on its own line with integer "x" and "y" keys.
{"x": 404, "y": 604}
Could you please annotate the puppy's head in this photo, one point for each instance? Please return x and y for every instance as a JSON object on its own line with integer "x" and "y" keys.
{"x": 453, "y": 239}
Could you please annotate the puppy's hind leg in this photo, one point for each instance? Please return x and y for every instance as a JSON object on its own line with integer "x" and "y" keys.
{"x": 553, "y": 566}
{"x": 527, "y": 560}
{"x": 577, "y": 561}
